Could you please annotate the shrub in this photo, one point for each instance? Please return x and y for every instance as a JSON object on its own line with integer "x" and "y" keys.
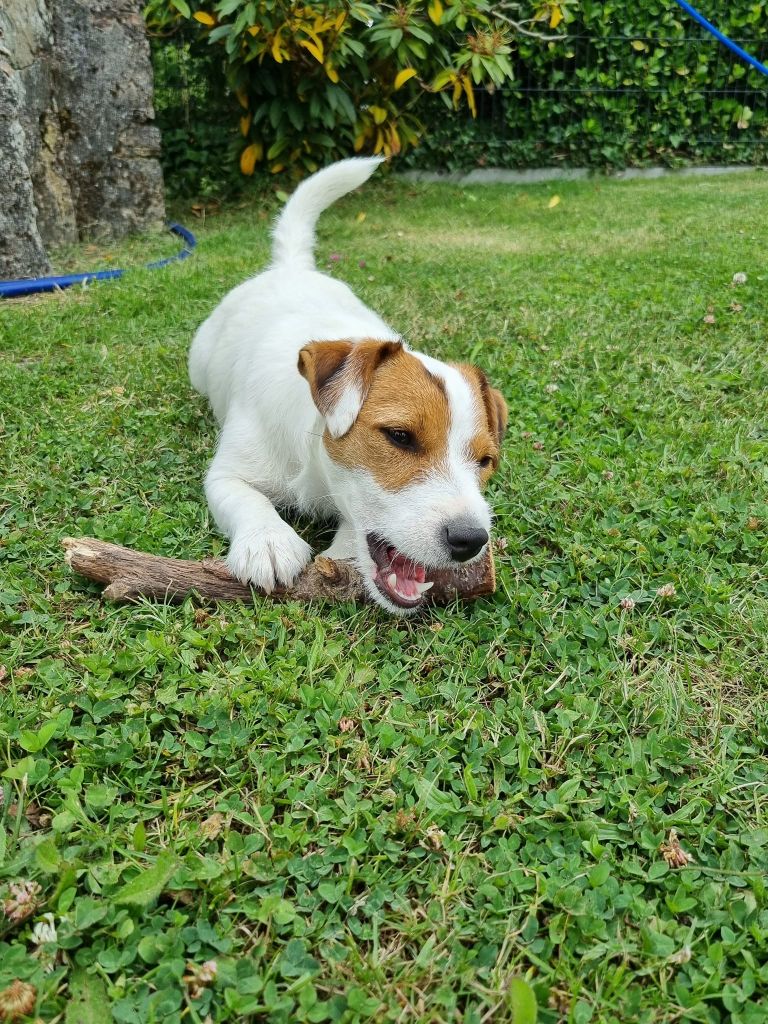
{"x": 315, "y": 81}
{"x": 630, "y": 85}
{"x": 618, "y": 85}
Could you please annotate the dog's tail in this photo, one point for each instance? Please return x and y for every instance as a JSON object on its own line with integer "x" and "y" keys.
{"x": 293, "y": 239}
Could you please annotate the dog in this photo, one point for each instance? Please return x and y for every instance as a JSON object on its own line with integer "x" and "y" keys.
{"x": 325, "y": 409}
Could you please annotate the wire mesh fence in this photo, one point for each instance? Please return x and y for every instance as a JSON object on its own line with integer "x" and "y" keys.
{"x": 590, "y": 101}
{"x": 614, "y": 101}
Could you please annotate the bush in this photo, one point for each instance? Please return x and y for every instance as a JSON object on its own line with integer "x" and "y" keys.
{"x": 315, "y": 81}
{"x": 292, "y": 86}
{"x": 630, "y": 86}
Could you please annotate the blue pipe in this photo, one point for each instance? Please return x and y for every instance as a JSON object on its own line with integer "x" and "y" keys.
{"x": 13, "y": 289}
{"x": 721, "y": 38}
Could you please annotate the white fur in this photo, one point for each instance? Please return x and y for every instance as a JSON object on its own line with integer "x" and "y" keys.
{"x": 244, "y": 359}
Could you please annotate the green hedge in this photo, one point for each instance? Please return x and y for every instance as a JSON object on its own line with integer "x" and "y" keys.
{"x": 634, "y": 84}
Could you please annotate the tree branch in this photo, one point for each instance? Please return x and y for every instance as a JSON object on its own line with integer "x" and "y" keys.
{"x": 129, "y": 575}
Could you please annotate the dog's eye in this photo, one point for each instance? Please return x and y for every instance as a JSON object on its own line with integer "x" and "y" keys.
{"x": 486, "y": 462}
{"x": 400, "y": 438}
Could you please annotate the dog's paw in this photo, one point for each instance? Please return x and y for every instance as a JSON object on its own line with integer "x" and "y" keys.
{"x": 268, "y": 557}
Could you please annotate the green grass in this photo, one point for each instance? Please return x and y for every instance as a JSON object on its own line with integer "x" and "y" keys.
{"x": 179, "y": 783}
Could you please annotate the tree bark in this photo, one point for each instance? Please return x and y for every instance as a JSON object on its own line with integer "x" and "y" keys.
{"x": 130, "y": 575}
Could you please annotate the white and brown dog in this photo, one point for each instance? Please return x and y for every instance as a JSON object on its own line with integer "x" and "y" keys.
{"x": 324, "y": 408}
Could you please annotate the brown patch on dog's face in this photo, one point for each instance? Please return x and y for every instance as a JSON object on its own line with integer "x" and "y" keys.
{"x": 387, "y": 413}
{"x": 487, "y": 443}
{"x": 401, "y": 431}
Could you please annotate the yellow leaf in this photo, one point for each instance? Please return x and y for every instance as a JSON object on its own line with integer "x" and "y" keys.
{"x": 245, "y": 124}
{"x": 204, "y": 18}
{"x": 357, "y": 145}
{"x": 403, "y": 76}
{"x": 276, "y": 168}
{"x": 394, "y": 141}
{"x": 332, "y": 73}
{"x": 340, "y": 21}
{"x": 470, "y": 95}
{"x": 435, "y": 11}
{"x": 379, "y": 114}
{"x": 242, "y": 98}
{"x": 556, "y": 17}
{"x": 360, "y": 217}
{"x": 253, "y": 30}
{"x": 277, "y": 52}
{"x": 314, "y": 48}
{"x": 638, "y": 44}
{"x": 553, "y": 202}
{"x": 456, "y": 92}
{"x": 379, "y": 142}
{"x": 443, "y": 78}
{"x": 250, "y": 157}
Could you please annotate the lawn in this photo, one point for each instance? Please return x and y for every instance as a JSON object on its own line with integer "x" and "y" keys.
{"x": 560, "y": 790}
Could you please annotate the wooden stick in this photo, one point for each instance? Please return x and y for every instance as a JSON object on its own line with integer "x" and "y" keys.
{"x": 129, "y": 575}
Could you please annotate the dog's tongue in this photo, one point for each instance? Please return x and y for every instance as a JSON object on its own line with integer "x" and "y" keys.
{"x": 408, "y": 574}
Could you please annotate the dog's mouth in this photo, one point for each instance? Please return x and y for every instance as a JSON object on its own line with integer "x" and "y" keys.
{"x": 400, "y": 579}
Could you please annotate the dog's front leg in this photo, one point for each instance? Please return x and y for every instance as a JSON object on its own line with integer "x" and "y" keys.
{"x": 264, "y": 550}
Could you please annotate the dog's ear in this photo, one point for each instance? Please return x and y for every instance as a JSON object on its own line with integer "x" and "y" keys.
{"x": 496, "y": 411}
{"x": 339, "y": 374}
{"x": 493, "y": 401}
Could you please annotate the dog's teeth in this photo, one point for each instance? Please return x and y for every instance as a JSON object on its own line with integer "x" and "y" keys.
{"x": 424, "y": 587}
{"x": 392, "y": 580}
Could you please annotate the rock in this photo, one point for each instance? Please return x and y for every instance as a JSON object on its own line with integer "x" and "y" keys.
{"x": 78, "y": 147}
{"x": 104, "y": 96}
{"x": 21, "y": 248}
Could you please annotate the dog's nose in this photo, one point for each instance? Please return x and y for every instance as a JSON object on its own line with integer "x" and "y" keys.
{"x": 464, "y": 542}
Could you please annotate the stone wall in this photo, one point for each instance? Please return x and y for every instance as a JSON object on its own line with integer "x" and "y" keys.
{"x": 78, "y": 147}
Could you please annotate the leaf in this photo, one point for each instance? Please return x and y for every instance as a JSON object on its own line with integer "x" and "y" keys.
{"x": 278, "y": 53}
{"x": 250, "y": 157}
{"x": 47, "y": 857}
{"x": 146, "y": 887}
{"x": 599, "y": 874}
{"x": 379, "y": 114}
{"x": 316, "y": 49}
{"x": 470, "y": 93}
{"x": 404, "y": 76}
{"x": 212, "y": 826}
{"x": 242, "y": 98}
{"x": 553, "y": 202}
{"x": 470, "y": 784}
{"x": 182, "y": 7}
{"x": 332, "y": 73}
{"x": 639, "y": 45}
{"x": 32, "y": 742}
{"x": 556, "y": 17}
{"x": 88, "y": 1002}
{"x": 245, "y": 124}
{"x": 435, "y": 11}
{"x": 522, "y": 1002}
{"x": 204, "y": 18}
{"x": 443, "y": 78}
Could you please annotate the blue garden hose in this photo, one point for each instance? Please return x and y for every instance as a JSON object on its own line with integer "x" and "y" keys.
{"x": 13, "y": 289}
{"x": 721, "y": 38}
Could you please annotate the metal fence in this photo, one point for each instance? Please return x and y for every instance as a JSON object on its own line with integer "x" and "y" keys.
{"x": 612, "y": 100}
{"x": 728, "y": 79}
